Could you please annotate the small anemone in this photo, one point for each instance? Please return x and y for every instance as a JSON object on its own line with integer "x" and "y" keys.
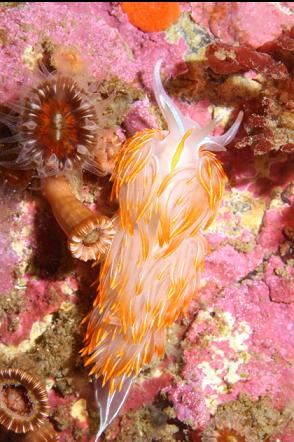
{"x": 55, "y": 127}
{"x": 67, "y": 60}
{"x": 225, "y": 430}
{"x": 23, "y": 401}
{"x": 45, "y": 433}
{"x": 108, "y": 146}
{"x": 55, "y": 130}
{"x": 244, "y": 420}
{"x": 89, "y": 234}
{"x": 223, "y": 435}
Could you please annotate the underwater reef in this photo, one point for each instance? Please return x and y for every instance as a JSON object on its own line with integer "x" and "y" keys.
{"x": 227, "y": 373}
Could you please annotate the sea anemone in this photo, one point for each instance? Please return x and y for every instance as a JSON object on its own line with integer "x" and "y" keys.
{"x": 89, "y": 234}
{"x": 46, "y": 433}
{"x": 56, "y": 128}
{"x": 23, "y": 401}
{"x": 228, "y": 430}
{"x": 108, "y": 146}
{"x": 244, "y": 420}
{"x": 57, "y": 133}
{"x": 57, "y": 124}
{"x": 67, "y": 60}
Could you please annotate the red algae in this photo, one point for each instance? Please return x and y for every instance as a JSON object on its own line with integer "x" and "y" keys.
{"x": 282, "y": 48}
{"x": 227, "y": 59}
{"x": 268, "y": 118}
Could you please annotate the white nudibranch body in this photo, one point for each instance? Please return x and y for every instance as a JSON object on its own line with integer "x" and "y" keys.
{"x": 169, "y": 185}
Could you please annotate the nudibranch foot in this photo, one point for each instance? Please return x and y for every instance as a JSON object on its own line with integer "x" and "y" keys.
{"x": 110, "y": 403}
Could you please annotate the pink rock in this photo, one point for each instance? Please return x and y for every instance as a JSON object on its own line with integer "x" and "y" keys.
{"x": 41, "y": 298}
{"x": 138, "y": 118}
{"x": 252, "y": 324}
{"x": 143, "y": 394}
{"x": 112, "y": 46}
{"x": 8, "y": 260}
{"x": 280, "y": 286}
{"x": 8, "y": 256}
{"x": 272, "y": 233}
{"x": 226, "y": 265}
{"x": 244, "y": 22}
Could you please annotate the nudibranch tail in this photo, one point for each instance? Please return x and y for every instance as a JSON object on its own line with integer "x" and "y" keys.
{"x": 109, "y": 403}
{"x": 169, "y": 187}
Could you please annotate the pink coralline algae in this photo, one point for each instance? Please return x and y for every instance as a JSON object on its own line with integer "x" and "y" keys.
{"x": 244, "y": 22}
{"x": 8, "y": 257}
{"x": 138, "y": 118}
{"x": 144, "y": 394}
{"x": 117, "y": 49}
{"x": 280, "y": 280}
{"x": 242, "y": 340}
{"x": 62, "y": 26}
{"x": 39, "y": 297}
{"x": 236, "y": 346}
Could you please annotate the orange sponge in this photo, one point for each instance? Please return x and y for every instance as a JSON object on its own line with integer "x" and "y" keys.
{"x": 152, "y": 16}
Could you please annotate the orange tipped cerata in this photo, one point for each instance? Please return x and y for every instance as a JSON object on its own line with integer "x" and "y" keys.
{"x": 169, "y": 186}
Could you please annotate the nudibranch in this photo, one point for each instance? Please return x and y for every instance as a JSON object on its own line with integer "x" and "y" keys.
{"x": 169, "y": 185}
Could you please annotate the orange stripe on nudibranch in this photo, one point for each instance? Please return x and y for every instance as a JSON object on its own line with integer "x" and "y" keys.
{"x": 178, "y": 153}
